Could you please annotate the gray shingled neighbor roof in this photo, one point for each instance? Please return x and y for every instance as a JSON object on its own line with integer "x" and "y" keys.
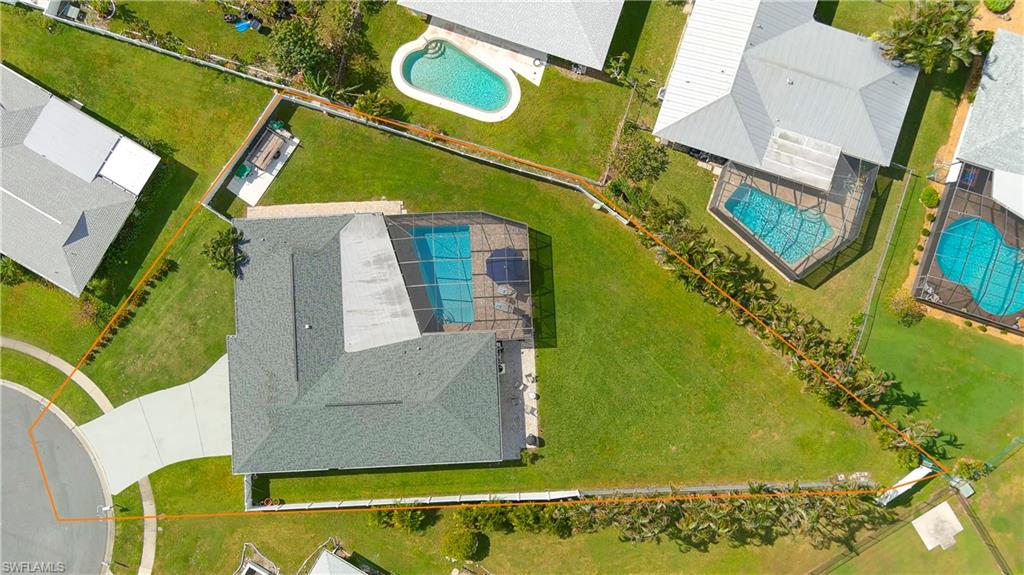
{"x": 578, "y": 31}
{"x": 746, "y": 70}
{"x": 994, "y": 135}
{"x": 54, "y": 222}
{"x": 299, "y": 402}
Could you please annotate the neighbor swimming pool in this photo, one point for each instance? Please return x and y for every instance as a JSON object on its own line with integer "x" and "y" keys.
{"x": 790, "y": 232}
{"x": 446, "y": 265}
{"x": 971, "y": 252}
{"x": 443, "y": 69}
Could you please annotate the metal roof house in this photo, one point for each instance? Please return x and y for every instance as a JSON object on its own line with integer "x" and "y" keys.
{"x": 370, "y": 341}
{"x": 973, "y": 264}
{"x": 67, "y": 184}
{"x": 807, "y": 109}
{"x": 577, "y": 31}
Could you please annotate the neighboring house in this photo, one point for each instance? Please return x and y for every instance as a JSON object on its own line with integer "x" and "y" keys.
{"x": 368, "y": 341}
{"x": 68, "y": 183}
{"x": 578, "y": 31}
{"x": 973, "y": 264}
{"x": 802, "y": 106}
{"x": 49, "y": 7}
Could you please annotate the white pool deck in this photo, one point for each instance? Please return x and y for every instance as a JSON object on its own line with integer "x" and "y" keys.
{"x": 252, "y": 187}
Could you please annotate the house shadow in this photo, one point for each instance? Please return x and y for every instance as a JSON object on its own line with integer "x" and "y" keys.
{"x": 628, "y": 30}
{"x": 542, "y": 279}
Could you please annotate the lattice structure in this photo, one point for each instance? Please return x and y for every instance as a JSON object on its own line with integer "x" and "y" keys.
{"x": 973, "y": 265}
{"x": 793, "y": 226}
{"x": 466, "y": 271}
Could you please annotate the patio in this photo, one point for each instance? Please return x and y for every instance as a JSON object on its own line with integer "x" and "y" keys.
{"x": 263, "y": 161}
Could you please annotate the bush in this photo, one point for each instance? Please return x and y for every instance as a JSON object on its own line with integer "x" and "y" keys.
{"x": 971, "y": 469}
{"x": 926, "y": 232}
{"x": 11, "y": 272}
{"x": 408, "y": 520}
{"x": 908, "y": 310}
{"x": 639, "y": 158}
{"x": 460, "y": 544}
{"x": 968, "y": 322}
{"x": 916, "y": 262}
{"x": 930, "y": 198}
{"x": 982, "y": 328}
{"x": 374, "y": 103}
{"x": 908, "y": 458}
{"x": 295, "y": 48}
{"x": 919, "y": 247}
{"x": 930, "y": 217}
{"x": 999, "y": 6}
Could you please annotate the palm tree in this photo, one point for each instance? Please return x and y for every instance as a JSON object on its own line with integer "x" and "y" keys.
{"x": 935, "y": 35}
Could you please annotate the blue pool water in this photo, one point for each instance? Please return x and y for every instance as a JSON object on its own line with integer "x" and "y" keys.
{"x": 444, "y": 70}
{"x": 446, "y": 265}
{"x": 788, "y": 231}
{"x": 971, "y": 252}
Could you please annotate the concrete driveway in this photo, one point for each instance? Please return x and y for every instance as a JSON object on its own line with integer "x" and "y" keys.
{"x": 31, "y": 537}
{"x": 188, "y": 421}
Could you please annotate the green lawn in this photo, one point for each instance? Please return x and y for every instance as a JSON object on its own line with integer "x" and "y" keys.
{"x": 904, "y": 553}
{"x": 44, "y": 380}
{"x": 180, "y": 330}
{"x": 200, "y": 24}
{"x": 128, "y": 534}
{"x": 999, "y": 504}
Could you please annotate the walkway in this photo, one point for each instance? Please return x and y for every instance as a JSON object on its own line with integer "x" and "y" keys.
{"x": 188, "y": 421}
{"x": 97, "y": 395}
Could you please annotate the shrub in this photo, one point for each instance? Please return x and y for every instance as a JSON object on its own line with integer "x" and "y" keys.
{"x": 919, "y": 247}
{"x": 916, "y": 262}
{"x": 908, "y": 310}
{"x": 971, "y": 469}
{"x": 982, "y": 328}
{"x": 223, "y": 252}
{"x": 487, "y": 519}
{"x": 934, "y": 35}
{"x": 374, "y": 103}
{"x": 999, "y": 6}
{"x": 460, "y": 544}
{"x": 930, "y": 198}
{"x": 11, "y": 272}
{"x": 295, "y": 48}
{"x": 639, "y": 158}
{"x": 408, "y": 520}
{"x": 926, "y": 232}
{"x": 968, "y": 322}
{"x": 930, "y": 217}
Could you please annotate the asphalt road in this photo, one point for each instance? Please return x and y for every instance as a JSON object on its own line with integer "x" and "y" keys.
{"x": 30, "y": 533}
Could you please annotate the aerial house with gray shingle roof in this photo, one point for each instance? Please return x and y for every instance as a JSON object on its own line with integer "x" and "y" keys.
{"x": 803, "y": 113}
{"x": 67, "y": 183}
{"x": 372, "y": 341}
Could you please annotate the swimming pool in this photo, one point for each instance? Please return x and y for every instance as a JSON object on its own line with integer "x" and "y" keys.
{"x": 443, "y": 69}
{"x": 971, "y": 252}
{"x": 790, "y": 232}
{"x": 446, "y": 265}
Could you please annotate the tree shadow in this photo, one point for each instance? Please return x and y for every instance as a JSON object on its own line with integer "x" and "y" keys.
{"x": 542, "y": 279}
{"x": 628, "y": 31}
{"x": 483, "y": 547}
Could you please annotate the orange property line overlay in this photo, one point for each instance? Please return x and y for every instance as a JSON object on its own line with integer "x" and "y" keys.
{"x": 486, "y": 151}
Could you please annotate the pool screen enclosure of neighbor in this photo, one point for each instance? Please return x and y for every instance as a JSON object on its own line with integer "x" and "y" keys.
{"x": 465, "y": 271}
{"x": 973, "y": 264}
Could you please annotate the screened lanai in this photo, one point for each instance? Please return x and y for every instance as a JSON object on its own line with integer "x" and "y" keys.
{"x": 465, "y": 271}
{"x": 793, "y": 226}
{"x": 973, "y": 264}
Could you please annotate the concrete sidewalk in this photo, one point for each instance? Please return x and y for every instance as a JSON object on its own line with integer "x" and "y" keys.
{"x": 188, "y": 421}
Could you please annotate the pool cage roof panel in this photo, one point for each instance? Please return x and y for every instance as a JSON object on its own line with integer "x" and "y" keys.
{"x": 806, "y": 225}
{"x": 973, "y": 264}
{"x": 465, "y": 271}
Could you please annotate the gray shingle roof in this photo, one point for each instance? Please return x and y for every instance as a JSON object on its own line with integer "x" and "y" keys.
{"x": 299, "y": 402}
{"x": 54, "y": 222}
{"x": 739, "y": 76}
{"x": 577, "y": 31}
{"x": 994, "y": 135}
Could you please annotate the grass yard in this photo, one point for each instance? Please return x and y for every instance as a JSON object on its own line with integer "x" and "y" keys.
{"x": 904, "y": 553}
{"x": 631, "y": 345}
{"x": 128, "y": 534}
{"x": 44, "y": 380}
{"x": 999, "y": 504}
{"x": 180, "y": 330}
{"x": 200, "y": 24}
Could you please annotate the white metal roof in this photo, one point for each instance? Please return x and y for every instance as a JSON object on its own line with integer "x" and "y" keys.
{"x": 1008, "y": 190}
{"x": 906, "y": 483}
{"x": 129, "y": 165}
{"x": 375, "y": 304}
{"x": 330, "y": 564}
{"x": 745, "y": 69}
{"x": 578, "y": 31}
{"x": 71, "y": 139}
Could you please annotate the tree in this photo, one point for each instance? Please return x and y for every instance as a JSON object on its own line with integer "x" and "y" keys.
{"x": 971, "y": 469}
{"x": 639, "y": 158}
{"x": 295, "y": 48}
{"x": 460, "y": 544}
{"x": 935, "y": 36}
{"x": 930, "y": 198}
{"x": 617, "y": 66}
{"x": 372, "y": 102}
{"x": 223, "y": 250}
{"x": 908, "y": 311}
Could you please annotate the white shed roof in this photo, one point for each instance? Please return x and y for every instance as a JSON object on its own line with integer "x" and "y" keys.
{"x": 375, "y": 304}
{"x": 938, "y": 527}
{"x": 71, "y": 139}
{"x": 330, "y": 564}
{"x": 130, "y": 165}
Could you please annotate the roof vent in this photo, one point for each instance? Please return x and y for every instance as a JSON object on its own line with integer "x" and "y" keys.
{"x": 789, "y": 81}
{"x": 307, "y": 326}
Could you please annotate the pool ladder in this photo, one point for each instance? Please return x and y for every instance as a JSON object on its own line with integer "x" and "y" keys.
{"x": 434, "y": 49}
